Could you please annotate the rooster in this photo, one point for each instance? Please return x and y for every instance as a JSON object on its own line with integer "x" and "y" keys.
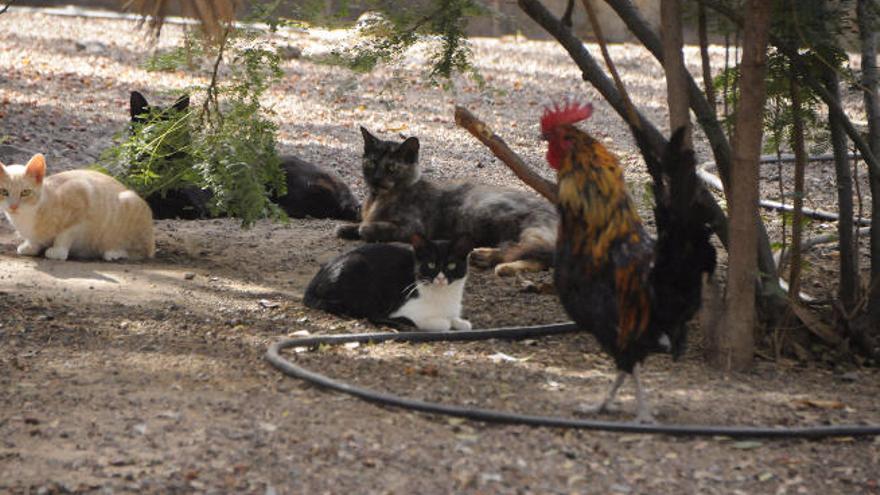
{"x": 633, "y": 293}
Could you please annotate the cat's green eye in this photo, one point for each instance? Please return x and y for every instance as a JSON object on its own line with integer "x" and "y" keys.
{"x": 25, "y": 193}
{"x": 431, "y": 265}
{"x": 4, "y": 192}
{"x": 450, "y": 266}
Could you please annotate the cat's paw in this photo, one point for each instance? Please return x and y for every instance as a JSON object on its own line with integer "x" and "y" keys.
{"x": 57, "y": 253}
{"x": 116, "y": 254}
{"x": 378, "y": 232}
{"x": 461, "y": 324}
{"x": 485, "y": 257}
{"x": 348, "y": 231}
{"x": 435, "y": 325}
{"x": 28, "y": 249}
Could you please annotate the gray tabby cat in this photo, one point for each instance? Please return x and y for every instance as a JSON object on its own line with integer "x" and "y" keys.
{"x": 516, "y": 229}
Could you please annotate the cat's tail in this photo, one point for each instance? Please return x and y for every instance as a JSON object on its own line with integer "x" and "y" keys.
{"x": 536, "y": 244}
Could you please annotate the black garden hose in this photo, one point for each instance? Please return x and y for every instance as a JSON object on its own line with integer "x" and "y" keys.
{"x": 273, "y": 355}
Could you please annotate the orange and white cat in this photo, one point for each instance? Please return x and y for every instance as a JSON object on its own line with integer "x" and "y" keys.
{"x": 81, "y": 213}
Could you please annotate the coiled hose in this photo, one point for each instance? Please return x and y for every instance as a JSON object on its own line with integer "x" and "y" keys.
{"x": 273, "y": 355}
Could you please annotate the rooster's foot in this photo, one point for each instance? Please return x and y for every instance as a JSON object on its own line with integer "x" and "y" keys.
{"x": 645, "y": 418}
{"x": 594, "y": 409}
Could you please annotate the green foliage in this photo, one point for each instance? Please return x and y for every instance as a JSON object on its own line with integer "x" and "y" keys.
{"x": 227, "y": 144}
{"x": 391, "y": 28}
{"x": 816, "y": 29}
{"x": 187, "y": 55}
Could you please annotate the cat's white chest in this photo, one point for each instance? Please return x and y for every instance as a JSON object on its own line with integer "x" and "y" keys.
{"x": 24, "y": 221}
{"x": 436, "y": 308}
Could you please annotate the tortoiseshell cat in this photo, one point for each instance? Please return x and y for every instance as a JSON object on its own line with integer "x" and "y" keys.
{"x": 513, "y": 228}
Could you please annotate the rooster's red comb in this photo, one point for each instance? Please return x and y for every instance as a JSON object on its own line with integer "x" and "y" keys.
{"x": 569, "y": 113}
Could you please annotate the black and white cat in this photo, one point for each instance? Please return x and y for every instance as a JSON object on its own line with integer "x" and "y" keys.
{"x": 513, "y": 229}
{"x": 422, "y": 283}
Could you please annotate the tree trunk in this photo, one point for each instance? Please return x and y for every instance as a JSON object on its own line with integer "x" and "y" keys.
{"x": 868, "y": 36}
{"x": 800, "y": 163}
{"x": 737, "y": 343}
{"x": 673, "y": 65}
{"x": 772, "y": 300}
{"x": 848, "y": 253}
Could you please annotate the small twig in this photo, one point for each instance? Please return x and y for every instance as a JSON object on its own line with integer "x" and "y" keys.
{"x": 467, "y": 120}
{"x": 861, "y": 203}
{"x": 566, "y": 17}
{"x": 211, "y": 93}
{"x": 6, "y": 7}
{"x": 631, "y": 114}
{"x": 812, "y": 242}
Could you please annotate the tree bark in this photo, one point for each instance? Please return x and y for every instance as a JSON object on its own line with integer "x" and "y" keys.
{"x": 868, "y": 37}
{"x": 736, "y": 343}
{"x": 794, "y": 279}
{"x": 708, "y": 121}
{"x": 673, "y": 65}
{"x": 843, "y": 174}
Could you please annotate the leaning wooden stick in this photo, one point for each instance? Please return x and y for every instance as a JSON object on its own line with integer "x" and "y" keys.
{"x": 481, "y": 131}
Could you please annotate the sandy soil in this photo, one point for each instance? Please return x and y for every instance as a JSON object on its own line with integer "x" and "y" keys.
{"x": 149, "y": 378}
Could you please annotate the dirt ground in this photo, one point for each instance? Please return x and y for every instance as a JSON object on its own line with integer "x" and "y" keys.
{"x": 149, "y": 377}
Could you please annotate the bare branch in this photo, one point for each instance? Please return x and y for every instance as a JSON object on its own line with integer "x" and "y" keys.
{"x": 529, "y": 176}
{"x": 10, "y": 2}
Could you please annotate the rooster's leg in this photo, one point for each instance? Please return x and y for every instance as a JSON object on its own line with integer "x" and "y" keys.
{"x": 605, "y": 405}
{"x": 644, "y": 411}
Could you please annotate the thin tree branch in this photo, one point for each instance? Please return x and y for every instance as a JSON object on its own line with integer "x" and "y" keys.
{"x": 797, "y": 62}
{"x": 708, "y": 121}
{"x": 592, "y": 73}
{"x": 499, "y": 148}
{"x": 10, "y": 2}
{"x": 631, "y": 116}
{"x": 704, "y": 54}
{"x": 703, "y": 111}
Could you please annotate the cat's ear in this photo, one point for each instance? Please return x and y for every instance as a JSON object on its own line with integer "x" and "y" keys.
{"x": 408, "y": 151}
{"x": 36, "y": 168}
{"x": 137, "y": 105}
{"x": 181, "y": 104}
{"x": 370, "y": 141}
{"x": 462, "y": 246}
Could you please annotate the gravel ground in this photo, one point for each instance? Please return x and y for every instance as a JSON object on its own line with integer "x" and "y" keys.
{"x": 148, "y": 377}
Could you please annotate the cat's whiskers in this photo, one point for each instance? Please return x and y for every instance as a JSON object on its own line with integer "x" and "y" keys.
{"x": 409, "y": 289}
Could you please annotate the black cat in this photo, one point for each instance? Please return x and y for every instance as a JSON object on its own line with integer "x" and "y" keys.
{"x": 311, "y": 190}
{"x": 422, "y": 283}
{"x": 512, "y": 227}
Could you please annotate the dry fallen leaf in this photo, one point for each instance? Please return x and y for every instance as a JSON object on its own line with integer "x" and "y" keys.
{"x": 819, "y": 403}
